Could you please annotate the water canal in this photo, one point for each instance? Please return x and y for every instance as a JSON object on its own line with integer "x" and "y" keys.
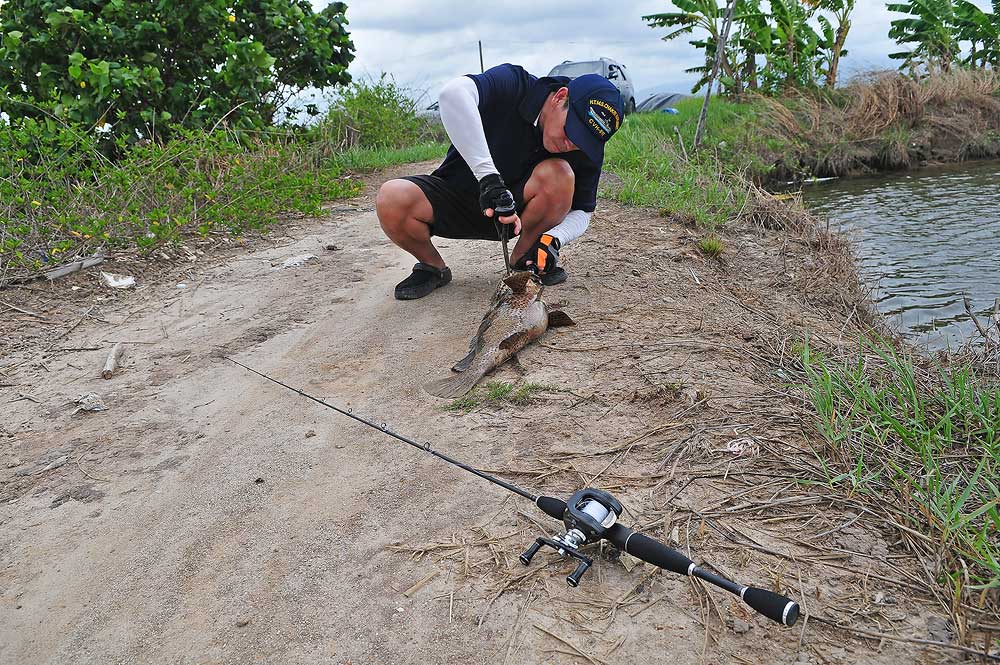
{"x": 924, "y": 240}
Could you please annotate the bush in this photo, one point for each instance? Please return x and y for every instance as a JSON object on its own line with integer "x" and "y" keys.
{"x": 66, "y": 199}
{"x": 142, "y": 70}
{"x": 377, "y": 114}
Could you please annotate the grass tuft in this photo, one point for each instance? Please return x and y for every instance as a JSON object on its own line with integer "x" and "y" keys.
{"x": 711, "y": 245}
{"x": 498, "y": 394}
{"x": 923, "y": 444}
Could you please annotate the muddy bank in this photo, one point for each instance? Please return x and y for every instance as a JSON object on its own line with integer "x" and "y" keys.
{"x": 207, "y": 516}
{"x": 883, "y": 122}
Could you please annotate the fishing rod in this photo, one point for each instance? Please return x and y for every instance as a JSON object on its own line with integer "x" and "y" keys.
{"x": 589, "y": 516}
{"x": 505, "y": 207}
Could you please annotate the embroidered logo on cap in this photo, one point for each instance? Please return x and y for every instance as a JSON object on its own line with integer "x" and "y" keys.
{"x": 602, "y": 119}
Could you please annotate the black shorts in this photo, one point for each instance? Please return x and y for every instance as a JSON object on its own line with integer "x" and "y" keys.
{"x": 456, "y": 212}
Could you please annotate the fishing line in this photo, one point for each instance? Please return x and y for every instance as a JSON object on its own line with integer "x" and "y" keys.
{"x": 589, "y": 516}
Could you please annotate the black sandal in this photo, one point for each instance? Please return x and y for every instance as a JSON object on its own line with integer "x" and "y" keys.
{"x": 422, "y": 281}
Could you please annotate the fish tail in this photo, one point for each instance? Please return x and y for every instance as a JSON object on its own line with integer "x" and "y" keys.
{"x": 456, "y": 385}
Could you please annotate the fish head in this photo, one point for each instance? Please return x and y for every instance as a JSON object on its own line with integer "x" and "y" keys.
{"x": 522, "y": 289}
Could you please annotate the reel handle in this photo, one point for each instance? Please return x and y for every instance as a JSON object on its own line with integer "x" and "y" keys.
{"x": 772, "y": 605}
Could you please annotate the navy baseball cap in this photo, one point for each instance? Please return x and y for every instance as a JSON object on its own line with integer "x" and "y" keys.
{"x": 595, "y": 113}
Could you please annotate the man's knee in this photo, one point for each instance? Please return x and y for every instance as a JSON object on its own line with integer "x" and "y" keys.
{"x": 552, "y": 180}
{"x": 400, "y": 200}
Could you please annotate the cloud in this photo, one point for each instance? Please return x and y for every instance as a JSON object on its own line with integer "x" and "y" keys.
{"x": 424, "y": 43}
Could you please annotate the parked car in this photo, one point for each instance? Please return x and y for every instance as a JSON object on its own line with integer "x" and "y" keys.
{"x": 606, "y": 67}
{"x": 660, "y": 101}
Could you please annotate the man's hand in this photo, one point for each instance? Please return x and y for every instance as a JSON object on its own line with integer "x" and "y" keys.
{"x": 542, "y": 257}
{"x": 494, "y": 195}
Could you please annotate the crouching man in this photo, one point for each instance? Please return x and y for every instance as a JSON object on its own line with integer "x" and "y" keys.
{"x": 540, "y": 140}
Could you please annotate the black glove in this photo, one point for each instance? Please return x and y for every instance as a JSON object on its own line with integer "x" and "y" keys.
{"x": 493, "y": 193}
{"x": 544, "y": 255}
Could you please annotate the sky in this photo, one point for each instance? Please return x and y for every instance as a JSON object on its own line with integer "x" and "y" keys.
{"x": 424, "y": 43}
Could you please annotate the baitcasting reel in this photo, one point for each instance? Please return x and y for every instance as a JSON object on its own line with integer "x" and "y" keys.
{"x": 588, "y": 516}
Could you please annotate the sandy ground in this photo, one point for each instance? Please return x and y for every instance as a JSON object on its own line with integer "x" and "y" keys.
{"x": 208, "y": 516}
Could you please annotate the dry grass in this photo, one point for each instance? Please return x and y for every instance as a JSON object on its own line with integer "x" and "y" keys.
{"x": 882, "y": 100}
{"x": 886, "y": 121}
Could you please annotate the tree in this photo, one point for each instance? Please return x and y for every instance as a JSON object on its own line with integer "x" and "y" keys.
{"x": 981, "y": 29}
{"x": 930, "y": 26}
{"x": 144, "y": 66}
{"x": 833, "y": 41}
{"x": 755, "y": 38}
{"x": 795, "y": 54}
{"x": 695, "y": 14}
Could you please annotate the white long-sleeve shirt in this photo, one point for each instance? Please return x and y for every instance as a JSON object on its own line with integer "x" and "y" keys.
{"x": 459, "y": 106}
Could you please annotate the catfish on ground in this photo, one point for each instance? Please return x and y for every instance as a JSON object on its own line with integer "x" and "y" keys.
{"x": 517, "y": 315}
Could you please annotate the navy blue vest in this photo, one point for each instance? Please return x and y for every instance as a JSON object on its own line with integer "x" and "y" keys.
{"x": 509, "y": 102}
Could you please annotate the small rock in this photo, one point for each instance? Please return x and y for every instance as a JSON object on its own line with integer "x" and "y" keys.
{"x": 56, "y": 463}
{"x": 90, "y": 402}
{"x": 259, "y": 481}
{"x": 14, "y": 463}
{"x": 635, "y": 272}
{"x": 339, "y": 445}
{"x": 310, "y": 434}
{"x": 331, "y": 247}
{"x": 740, "y": 626}
{"x": 296, "y": 261}
{"x": 243, "y": 621}
{"x": 939, "y": 629}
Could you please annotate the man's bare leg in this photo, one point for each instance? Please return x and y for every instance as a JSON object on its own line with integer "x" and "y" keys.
{"x": 405, "y": 215}
{"x": 548, "y": 195}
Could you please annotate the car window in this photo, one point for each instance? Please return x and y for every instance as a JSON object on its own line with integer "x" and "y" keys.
{"x": 574, "y": 69}
{"x": 613, "y": 72}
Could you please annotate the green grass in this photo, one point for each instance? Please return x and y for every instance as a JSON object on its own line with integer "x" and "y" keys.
{"x": 57, "y": 204}
{"x": 497, "y": 394}
{"x": 708, "y": 184}
{"x": 371, "y": 159}
{"x": 923, "y": 444}
{"x": 66, "y": 190}
{"x": 712, "y": 246}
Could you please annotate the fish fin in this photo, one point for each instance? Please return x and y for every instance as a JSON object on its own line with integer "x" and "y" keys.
{"x": 465, "y": 362}
{"x": 518, "y": 281}
{"x": 515, "y": 341}
{"x": 557, "y": 318}
{"x": 454, "y": 386}
{"x": 476, "y": 343}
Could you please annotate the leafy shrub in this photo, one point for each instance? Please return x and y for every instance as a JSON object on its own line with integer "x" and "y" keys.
{"x": 60, "y": 202}
{"x": 376, "y": 114}
{"x": 145, "y": 67}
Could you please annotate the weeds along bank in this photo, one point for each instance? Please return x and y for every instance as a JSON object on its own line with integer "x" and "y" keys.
{"x": 883, "y": 121}
{"x": 68, "y": 191}
{"x": 913, "y": 443}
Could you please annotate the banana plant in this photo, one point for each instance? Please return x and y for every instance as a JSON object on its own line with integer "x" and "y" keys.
{"x": 754, "y": 38}
{"x": 981, "y": 29}
{"x": 931, "y": 28}
{"x": 794, "y": 57}
{"x": 706, "y": 15}
{"x": 833, "y": 40}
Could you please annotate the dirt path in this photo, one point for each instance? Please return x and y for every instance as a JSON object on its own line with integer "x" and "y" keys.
{"x": 210, "y": 517}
